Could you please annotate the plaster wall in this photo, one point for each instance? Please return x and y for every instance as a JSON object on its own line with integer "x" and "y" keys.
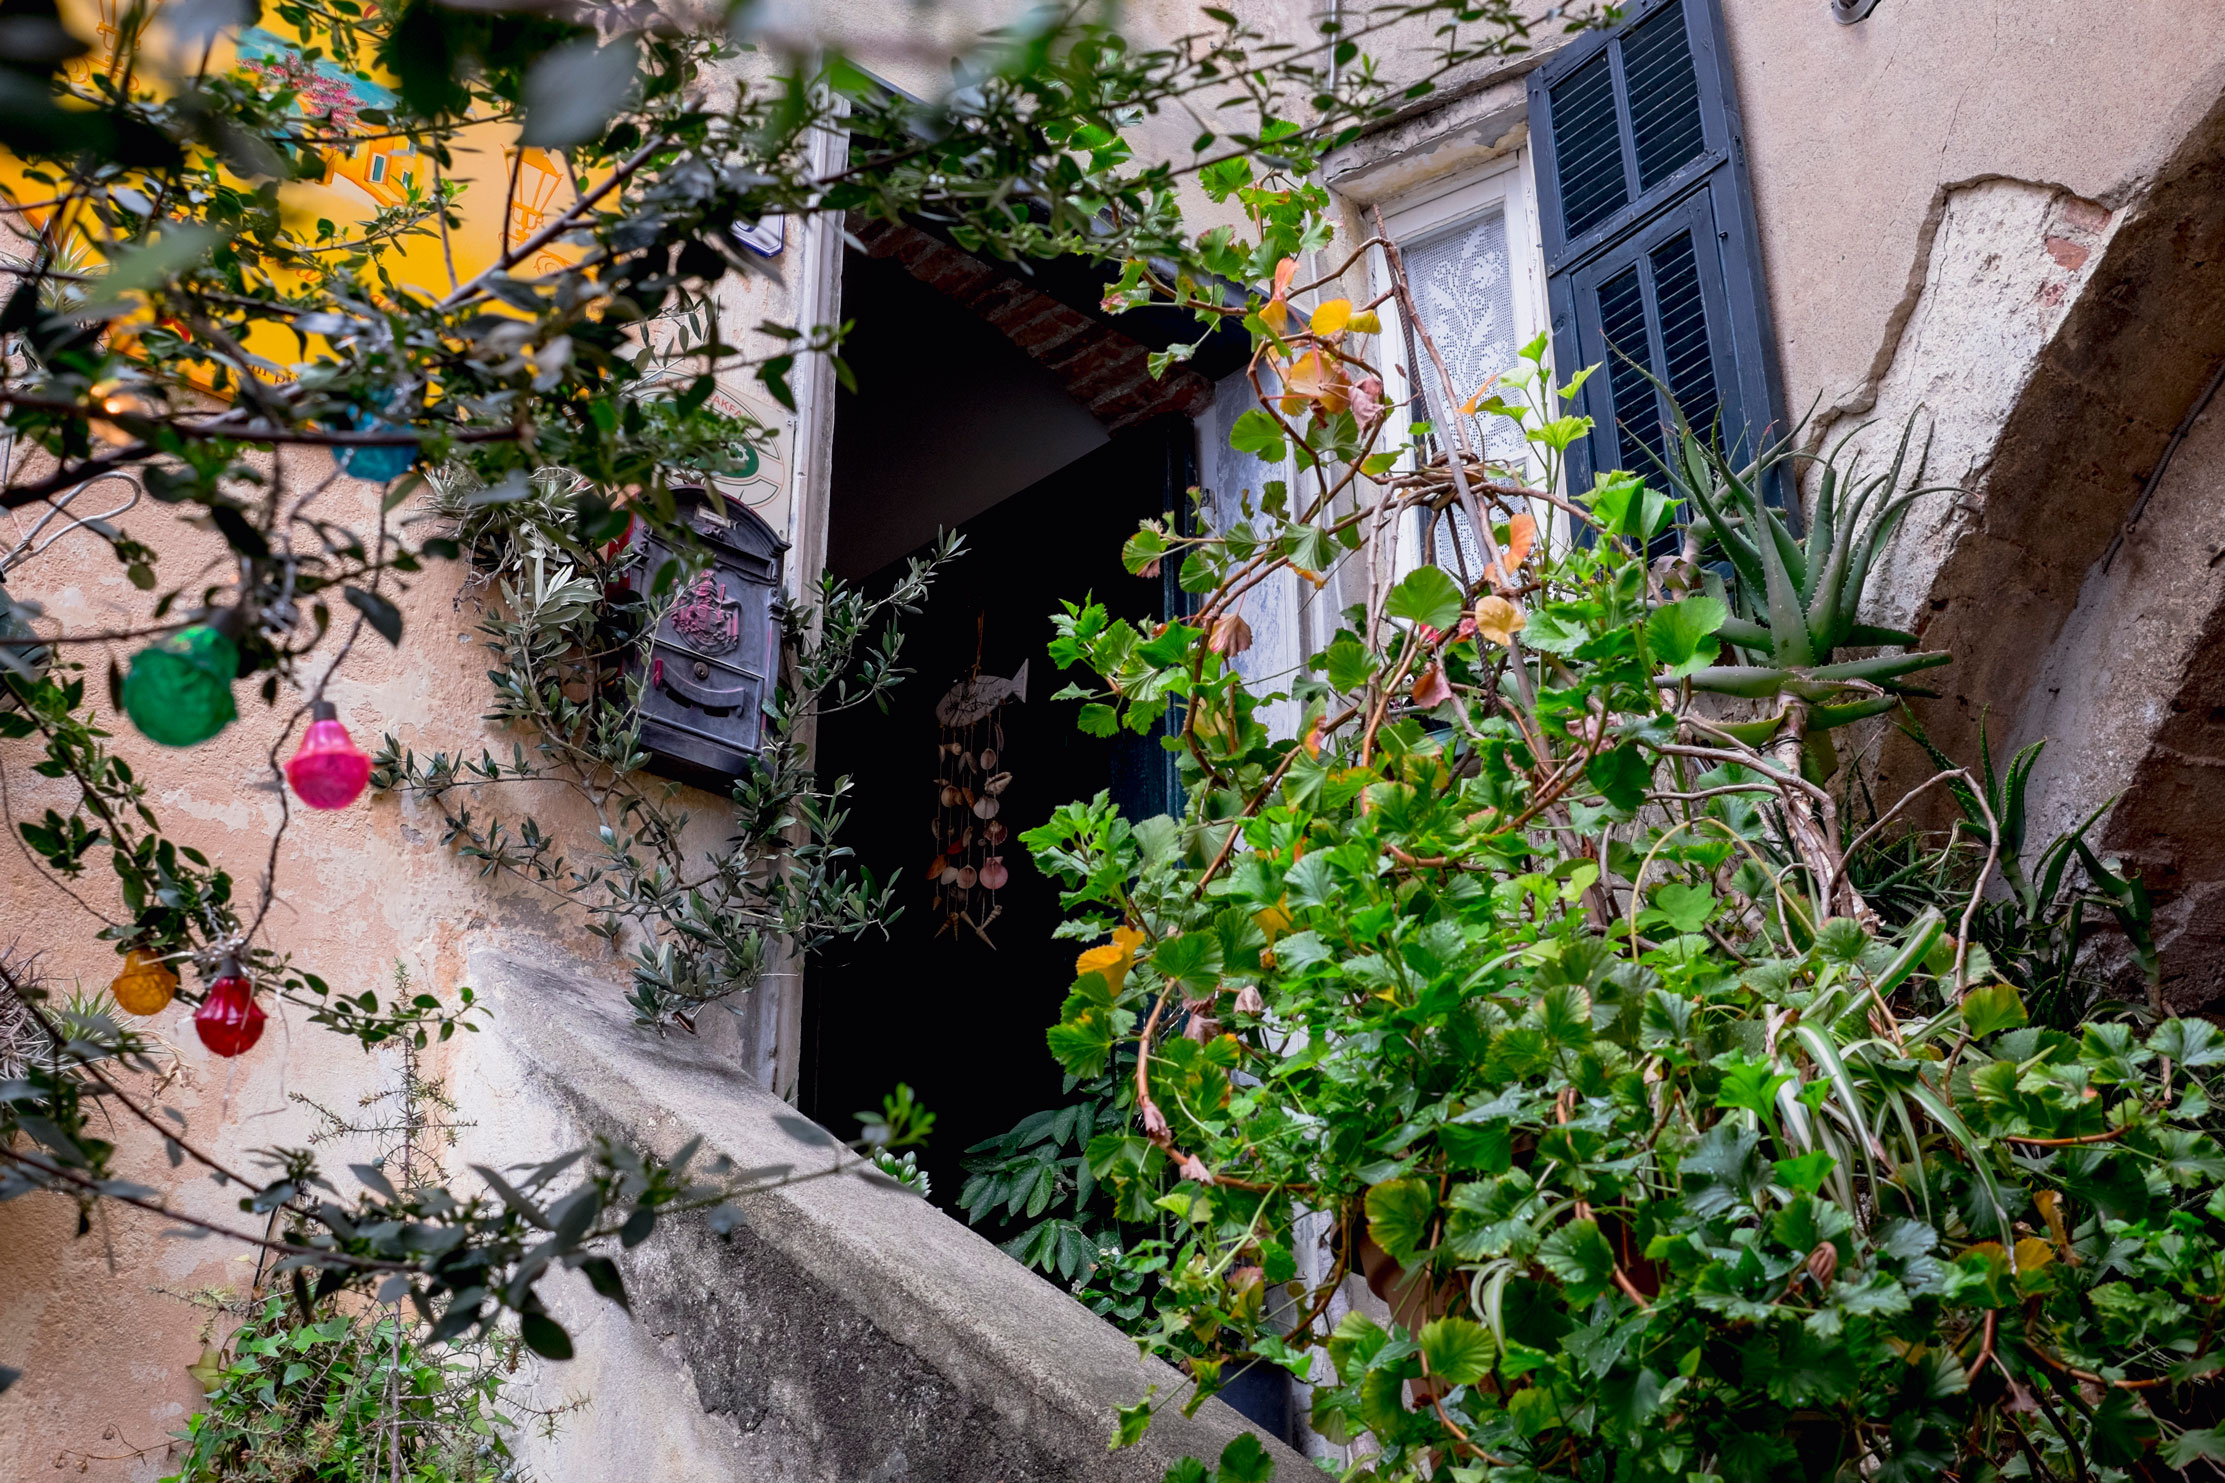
{"x": 2004, "y": 262}
{"x": 1859, "y": 136}
{"x": 102, "y": 1325}
{"x": 1937, "y": 189}
{"x": 1860, "y": 141}
{"x": 2114, "y": 696}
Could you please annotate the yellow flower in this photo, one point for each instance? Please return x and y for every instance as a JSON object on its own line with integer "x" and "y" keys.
{"x": 1111, "y": 960}
{"x": 1499, "y": 620}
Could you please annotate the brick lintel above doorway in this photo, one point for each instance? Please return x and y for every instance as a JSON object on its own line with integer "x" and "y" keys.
{"x": 1105, "y": 371}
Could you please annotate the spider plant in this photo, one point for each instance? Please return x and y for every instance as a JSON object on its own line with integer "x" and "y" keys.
{"x": 2038, "y": 936}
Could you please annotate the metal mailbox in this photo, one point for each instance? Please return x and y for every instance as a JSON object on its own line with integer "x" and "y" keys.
{"x": 713, "y": 655}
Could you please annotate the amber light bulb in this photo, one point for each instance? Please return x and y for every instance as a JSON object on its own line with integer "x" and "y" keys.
{"x": 330, "y": 770}
{"x": 229, "y": 1021}
{"x": 145, "y": 986}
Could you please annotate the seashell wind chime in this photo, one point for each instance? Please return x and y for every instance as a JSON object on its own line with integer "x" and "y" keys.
{"x": 971, "y": 776}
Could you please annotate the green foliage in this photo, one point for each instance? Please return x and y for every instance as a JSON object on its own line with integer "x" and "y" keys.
{"x": 1797, "y": 599}
{"x": 905, "y": 1171}
{"x": 1549, "y": 997}
{"x": 1039, "y": 1178}
{"x": 565, "y": 615}
{"x": 334, "y": 1400}
{"x": 2041, "y": 934}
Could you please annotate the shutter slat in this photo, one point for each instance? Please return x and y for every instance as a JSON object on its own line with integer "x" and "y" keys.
{"x": 1622, "y": 322}
{"x": 1652, "y": 252}
{"x": 1589, "y": 140}
{"x": 1665, "y": 120}
{"x": 1688, "y": 362}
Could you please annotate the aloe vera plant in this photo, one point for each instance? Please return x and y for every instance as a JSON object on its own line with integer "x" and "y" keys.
{"x": 1796, "y": 600}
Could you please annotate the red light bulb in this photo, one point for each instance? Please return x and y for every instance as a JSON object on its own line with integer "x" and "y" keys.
{"x": 329, "y": 771}
{"x": 229, "y": 1021}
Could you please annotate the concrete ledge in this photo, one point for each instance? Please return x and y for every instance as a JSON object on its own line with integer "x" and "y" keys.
{"x": 847, "y": 1332}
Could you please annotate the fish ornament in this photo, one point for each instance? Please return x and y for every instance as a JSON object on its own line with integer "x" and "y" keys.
{"x": 977, "y": 696}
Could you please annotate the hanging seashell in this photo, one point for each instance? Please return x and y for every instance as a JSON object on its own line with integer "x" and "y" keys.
{"x": 949, "y": 876}
{"x": 988, "y": 758}
{"x": 965, "y": 841}
{"x": 933, "y": 870}
{"x": 966, "y": 877}
{"x": 985, "y": 808}
{"x": 951, "y": 796}
{"x": 997, "y": 784}
{"x": 993, "y": 873}
{"x": 995, "y": 833}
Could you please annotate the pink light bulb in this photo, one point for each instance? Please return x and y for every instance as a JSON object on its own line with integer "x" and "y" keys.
{"x": 329, "y": 771}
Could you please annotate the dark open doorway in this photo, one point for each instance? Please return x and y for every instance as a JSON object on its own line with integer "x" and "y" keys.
{"x": 932, "y": 1004}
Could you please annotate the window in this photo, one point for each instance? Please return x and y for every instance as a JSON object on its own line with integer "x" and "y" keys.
{"x": 1652, "y": 262}
{"x": 1473, "y": 266}
{"x": 1276, "y": 608}
{"x": 377, "y": 171}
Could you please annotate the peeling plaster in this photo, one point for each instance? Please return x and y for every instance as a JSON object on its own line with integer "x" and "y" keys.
{"x": 1999, "y": 262}
{"x": 2088, "y": 217}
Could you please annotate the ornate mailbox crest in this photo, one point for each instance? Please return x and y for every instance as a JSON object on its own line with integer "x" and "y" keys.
{"x": 708, "y": 618}
{"x": 712, "y": 656}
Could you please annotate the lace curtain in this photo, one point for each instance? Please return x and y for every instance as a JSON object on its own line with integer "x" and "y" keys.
{"x": 1462, "y": 280}
{"x": 1272, "y": 607}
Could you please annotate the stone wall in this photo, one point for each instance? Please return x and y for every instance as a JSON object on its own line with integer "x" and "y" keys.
{"x": 847, "y": 1332}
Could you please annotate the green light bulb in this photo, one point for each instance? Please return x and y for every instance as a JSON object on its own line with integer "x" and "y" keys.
{"x": 179, "y": 690}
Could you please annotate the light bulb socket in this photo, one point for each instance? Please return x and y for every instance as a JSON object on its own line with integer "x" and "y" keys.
{"x": 227, "y": 967}
{"x": 323, "y": 710}
{"x": 233, "y": 622}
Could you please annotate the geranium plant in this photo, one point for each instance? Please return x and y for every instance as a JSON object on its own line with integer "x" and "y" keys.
{"x": 1529, "y": 983}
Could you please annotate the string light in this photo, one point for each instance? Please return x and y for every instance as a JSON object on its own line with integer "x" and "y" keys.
{"x": 229, "y": 1020}
{"x": 329, "y": 771}
{"x": 146, "y": 986}
{"x": 179, "y": 689}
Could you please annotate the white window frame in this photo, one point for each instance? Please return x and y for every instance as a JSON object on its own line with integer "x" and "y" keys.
{"x": 1508, "y": 185}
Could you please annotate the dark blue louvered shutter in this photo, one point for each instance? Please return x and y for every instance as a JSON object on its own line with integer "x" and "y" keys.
{"x": 1653, "y": 265}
